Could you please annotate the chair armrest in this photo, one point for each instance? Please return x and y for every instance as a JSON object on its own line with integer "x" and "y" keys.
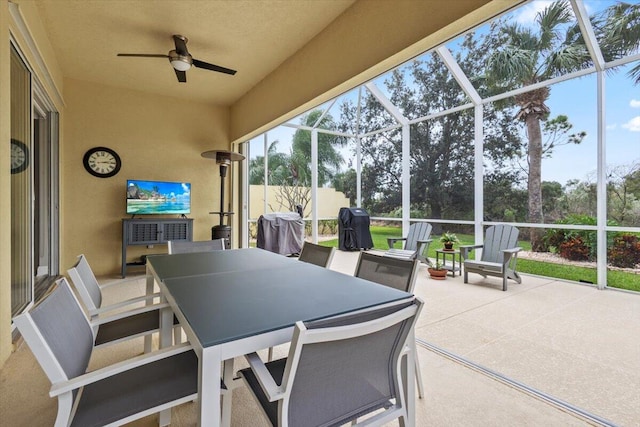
{"x": 120, "y": 281}
{"x": 422, "y": 242}
{"x": 116, "y": 368}
{"x": 392, "y": 240}
{"x": 97, "y": 321}
{"x": 122, "y": 304}
{"x": 268, "y": 384}
{"x": 465, "y": 249}
{"x": 509, "y": 253}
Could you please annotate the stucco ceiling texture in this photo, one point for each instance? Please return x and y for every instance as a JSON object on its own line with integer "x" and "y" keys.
{"x": 253, "y": 37}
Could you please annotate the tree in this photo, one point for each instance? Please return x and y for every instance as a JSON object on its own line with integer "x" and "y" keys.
{"x": 555, "y": 48}
{"x": 528, "y": 57}
{"x": 329, "y": 158}
{"x": 278, "y": 166}
{"x": 291, "y": 173}
{"x": 623, "y": 205}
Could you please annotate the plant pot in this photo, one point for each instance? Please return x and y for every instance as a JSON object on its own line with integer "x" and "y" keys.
{"x": 448, "y": 246}
{"x": 437, "y": 274}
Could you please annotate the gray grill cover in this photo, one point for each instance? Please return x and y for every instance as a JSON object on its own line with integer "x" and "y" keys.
{"x": 282, "y": 233}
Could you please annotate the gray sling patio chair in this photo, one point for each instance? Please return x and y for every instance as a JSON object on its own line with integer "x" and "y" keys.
{"x": 182, "y": 247}
{"x": 316, "y": 254}
{"x": 395, "y": 273}
{"x": 313, "y": 254}
{"x": 58, "y": 333}
{"x": 499, "y": 255}
{"x": 120, "y": 321}
{"x": 338, "y": 370}
{"x": 416, "y": 244}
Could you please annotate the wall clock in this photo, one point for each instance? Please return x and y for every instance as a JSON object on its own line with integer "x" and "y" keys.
{"x": 102, "y": 162}
{"x": 19, "y": 156}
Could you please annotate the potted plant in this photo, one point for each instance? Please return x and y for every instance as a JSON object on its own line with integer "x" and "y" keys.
{"x": 448, "y": 239}
{"x": 437, "y": 272}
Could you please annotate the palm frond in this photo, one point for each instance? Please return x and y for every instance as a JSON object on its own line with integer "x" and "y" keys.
{"x": 550, "y": 19}
{"x": 566, "y": 60}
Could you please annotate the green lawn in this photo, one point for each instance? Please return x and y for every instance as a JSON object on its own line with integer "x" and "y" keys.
{"x": 616, "y": 279}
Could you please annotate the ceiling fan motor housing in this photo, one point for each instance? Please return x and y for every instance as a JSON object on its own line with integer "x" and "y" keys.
{"x": 180, "y": 62}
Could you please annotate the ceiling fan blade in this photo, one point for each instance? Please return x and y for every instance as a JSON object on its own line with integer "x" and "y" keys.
{"x": 144, "y": 55}
{"x": 181, "y": 44}
{"x": 181, "y": 75}
{"x": 212, "y": 67}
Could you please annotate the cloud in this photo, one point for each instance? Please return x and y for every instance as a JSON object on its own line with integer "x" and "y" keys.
{"x": 634, "y": 103}
{"x": 527, "y": 14}
{"x": 612, "y": 126}
{"x": 633, "y": 125}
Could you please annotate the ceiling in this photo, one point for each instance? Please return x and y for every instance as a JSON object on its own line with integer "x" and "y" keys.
{"x": 251, "y": 36}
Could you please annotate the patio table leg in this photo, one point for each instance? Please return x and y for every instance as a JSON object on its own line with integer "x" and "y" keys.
{"x": 209, "y": 367}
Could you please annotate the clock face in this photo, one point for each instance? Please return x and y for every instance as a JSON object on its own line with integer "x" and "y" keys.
{"x": 19, "y": 156}
{"x": 102, "y": 162}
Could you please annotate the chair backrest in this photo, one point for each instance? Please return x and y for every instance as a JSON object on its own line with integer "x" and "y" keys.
{"x": 182, "y": 247}
{"x": 316, "y": 254}
{"x": 86, "y": 284}
{"x": 393, "y": 272}
{"x": 417, "y": 231}
{"x": 346, "y": 365}
{"x": 58, "y": 333}
{"x": 497, "y": 238}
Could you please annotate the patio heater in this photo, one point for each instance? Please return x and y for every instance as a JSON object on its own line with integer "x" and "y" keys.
{"x": 224, "y": 159}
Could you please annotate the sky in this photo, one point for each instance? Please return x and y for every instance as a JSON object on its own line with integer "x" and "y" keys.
{"x": 577, "y": 99}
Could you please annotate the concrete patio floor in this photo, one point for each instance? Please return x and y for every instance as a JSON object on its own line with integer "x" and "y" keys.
{"x": 488, "y": 357}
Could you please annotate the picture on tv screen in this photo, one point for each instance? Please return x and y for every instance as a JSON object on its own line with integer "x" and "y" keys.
{"x": 157, "y": 197}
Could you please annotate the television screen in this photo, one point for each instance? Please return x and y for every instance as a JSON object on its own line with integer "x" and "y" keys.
{"x": 157, "y": 197}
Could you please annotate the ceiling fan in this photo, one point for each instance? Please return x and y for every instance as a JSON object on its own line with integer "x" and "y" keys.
{"x": 181, "y": 60}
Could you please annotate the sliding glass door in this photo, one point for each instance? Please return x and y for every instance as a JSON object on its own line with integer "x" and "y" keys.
{"x": 21, "y": 186}
{"x": 34, "y": 187}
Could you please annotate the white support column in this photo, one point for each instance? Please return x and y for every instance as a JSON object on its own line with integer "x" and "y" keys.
{"x": 406, "y": 178}
{"x": 358, "y": 172}
{"x": 358, "y": 153}
{"x": 478, "y": 202}
{"x": 601, "y": 186}
{"x": 266, "y": 172}
{"x": 245, "y": 150}
{"x": 314, "y": 186}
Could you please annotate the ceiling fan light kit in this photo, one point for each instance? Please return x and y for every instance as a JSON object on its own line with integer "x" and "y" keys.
{"x": 181, "y": 60}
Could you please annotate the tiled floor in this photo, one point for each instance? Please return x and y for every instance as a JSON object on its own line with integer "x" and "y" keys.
{"x": 570, "y": 341}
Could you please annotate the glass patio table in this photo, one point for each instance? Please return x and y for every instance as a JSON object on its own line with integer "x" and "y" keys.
{"x": 235, "y": 302}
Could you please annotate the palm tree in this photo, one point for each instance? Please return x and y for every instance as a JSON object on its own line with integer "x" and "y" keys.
{"x": 329, "y": 158}
{"x": 278, "y": 167}
{"x": 555, "y": 48}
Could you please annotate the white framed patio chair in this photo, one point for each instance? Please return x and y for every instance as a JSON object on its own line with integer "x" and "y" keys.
{"x": 499, "y": 255}
{"x": 416, "y": 244}
{"x": 120, "y": 321}
{"x": 395, "y": 273}
{"x": 183, "y": 247}
{"x": 338, "y": 370}
{"x": 61, "y": 338}
{"x": 317, "y": 254}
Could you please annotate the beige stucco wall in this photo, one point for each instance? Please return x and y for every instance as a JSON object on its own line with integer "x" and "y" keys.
{"x": 329, "y": 202}
{"x": 158, "y": 138}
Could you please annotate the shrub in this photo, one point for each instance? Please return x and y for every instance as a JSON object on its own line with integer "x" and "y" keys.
{"x": 624, "y": 251}
{"x": 574, "y": 249}
{"x": 565, "y": 241}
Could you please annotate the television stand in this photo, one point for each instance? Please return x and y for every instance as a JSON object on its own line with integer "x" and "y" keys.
{"x": 152, "y": 231}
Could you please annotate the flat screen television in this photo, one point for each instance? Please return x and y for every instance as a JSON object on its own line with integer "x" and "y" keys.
{"x": 158, "y": 197}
